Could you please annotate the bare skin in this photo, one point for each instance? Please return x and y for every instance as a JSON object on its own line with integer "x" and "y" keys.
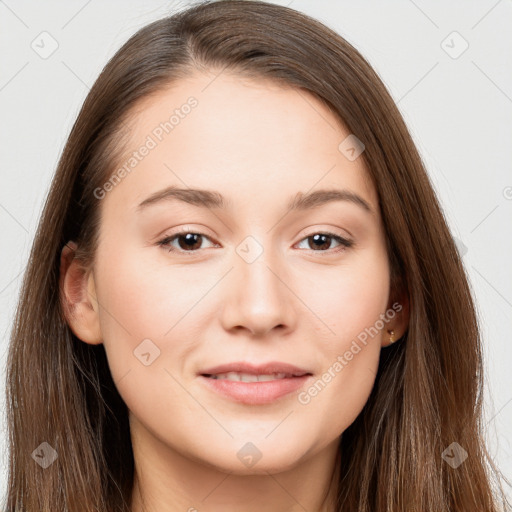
{"x": 259, "y": 145}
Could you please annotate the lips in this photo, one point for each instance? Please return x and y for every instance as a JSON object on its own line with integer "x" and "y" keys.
{"x": 254, "y": 384}
{"x": 270, "y": 368}
{"x": 249, "y": 377}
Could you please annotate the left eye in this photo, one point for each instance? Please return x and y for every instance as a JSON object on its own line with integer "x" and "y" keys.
{"x": 190, "y": 242}
{"x": 323, "y": 239}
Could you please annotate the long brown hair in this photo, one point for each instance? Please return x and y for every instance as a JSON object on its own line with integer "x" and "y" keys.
{"x": 428, "y": 389}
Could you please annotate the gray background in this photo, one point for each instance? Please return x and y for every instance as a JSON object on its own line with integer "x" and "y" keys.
{"x": 458, "y": 106}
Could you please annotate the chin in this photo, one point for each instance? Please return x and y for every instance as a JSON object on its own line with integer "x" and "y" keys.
{"x": 251, "y": 459}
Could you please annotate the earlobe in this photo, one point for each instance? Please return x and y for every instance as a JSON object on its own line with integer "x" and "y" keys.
{"x": 78, "y": 297}
{"x": 399, "y": 324}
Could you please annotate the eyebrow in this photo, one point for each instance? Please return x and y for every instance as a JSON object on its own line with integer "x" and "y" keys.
{"x": 211, "y": 199}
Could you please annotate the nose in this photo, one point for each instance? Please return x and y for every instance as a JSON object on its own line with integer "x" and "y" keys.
{"x": 258, "y": 298}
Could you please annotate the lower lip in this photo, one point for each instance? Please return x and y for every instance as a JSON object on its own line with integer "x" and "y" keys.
{"x": 255, "y": 393}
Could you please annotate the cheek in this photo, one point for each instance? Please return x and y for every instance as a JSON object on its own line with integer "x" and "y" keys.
{"x": 134, "y": 311}
{"x": 144, "y": 295}
{"x": 351, "y": 300}
{"x": 142, "y": 322}
{"x": 129, "y": 299}
{"x": 144, "y": 299}
{"x": 346, "y": 298}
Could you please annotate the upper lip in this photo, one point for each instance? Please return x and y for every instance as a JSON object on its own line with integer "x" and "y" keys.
{"x": 261, "y": 369}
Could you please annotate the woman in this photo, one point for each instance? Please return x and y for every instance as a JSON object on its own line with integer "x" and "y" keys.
{"x": 243, "y": 294}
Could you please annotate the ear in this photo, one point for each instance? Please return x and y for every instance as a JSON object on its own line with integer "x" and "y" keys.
{"x": 78, "y": 297}
{"x": 399, "y": 303}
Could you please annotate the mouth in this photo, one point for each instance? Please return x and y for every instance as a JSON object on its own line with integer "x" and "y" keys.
{"x": 250, "y": 377}
{"x": 276, "y": 369}
{"x": 255, "y": 385}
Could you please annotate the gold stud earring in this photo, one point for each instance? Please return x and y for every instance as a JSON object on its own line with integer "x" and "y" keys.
{"x": 391, "y": 337}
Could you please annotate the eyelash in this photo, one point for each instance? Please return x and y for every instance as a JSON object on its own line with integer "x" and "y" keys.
{"x": 344, "y": 242}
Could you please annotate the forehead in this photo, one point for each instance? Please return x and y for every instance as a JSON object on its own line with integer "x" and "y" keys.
{"x": 250, "y": 139}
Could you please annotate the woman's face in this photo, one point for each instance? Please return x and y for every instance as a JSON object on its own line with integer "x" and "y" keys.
{"x": 254, "y": 282}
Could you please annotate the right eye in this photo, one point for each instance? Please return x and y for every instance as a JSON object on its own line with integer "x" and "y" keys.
{"x": 188, "y": 241}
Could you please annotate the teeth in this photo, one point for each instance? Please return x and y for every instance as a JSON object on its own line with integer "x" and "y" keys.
{"x": 247, "y": 377}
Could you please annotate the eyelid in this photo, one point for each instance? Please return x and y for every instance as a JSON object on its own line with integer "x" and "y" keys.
{"x": 186, "y": 228}
{"x": 331, "y": 230}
